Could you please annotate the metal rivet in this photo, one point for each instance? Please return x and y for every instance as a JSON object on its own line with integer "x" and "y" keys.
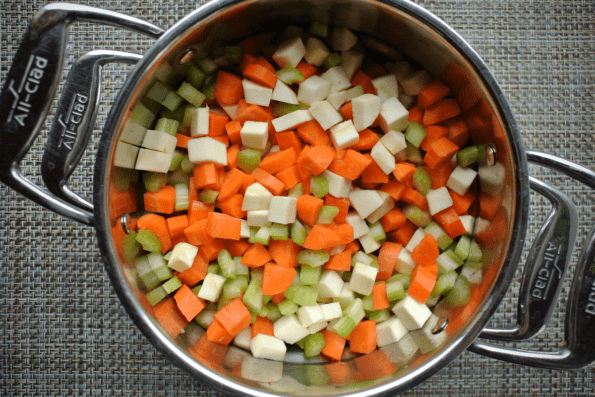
{"x": 490, "y": 154}
{"x": 186, "y": 56}
{"x": 125, "y": 221}
{"x": 440, "y": 326}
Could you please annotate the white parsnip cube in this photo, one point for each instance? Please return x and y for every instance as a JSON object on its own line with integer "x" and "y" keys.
{"x": 362, "y": 278}
{"x": 468, "y": 222}
{"x": 256, "y": 197}
{"x": 404, "y": 264}
{"x": 230, "y": 110}
{"x": 313, "y": 89}
{"x": 369, "y": 243}
{"x": 386, "y": 86}
{"x": 387, "y": 204}
{"x": 206, "y": 149}
{"x": 403, "y": 352}
{"x": 284, "y": 93}
{"x": 351, "y": 60}
{"x": 282, "y": 209}
{"x": 338, "y": 186}
{"x": 346, "y": 296}
{"x": 326, "y": 115}
{"x": 243, "y": 338}
{"x": 366, "y": 109}
{"x": 360, "y": 226}
{"x": 211, "y": 287}
{"x": 344, "y": 135}
{"x": 316, "y": 51}
{"x": 384, "y": 158}
{"x": 291, "y": 120}
{"x": 491, "y": 178}
{"x": 337, "y": 99}
{"x": 125, "y": 155}
{"x": 390, "y": 331}
{"x": 245, "y": 229}
{"x": 365, "y": 201}
{"x": 182, "y": 256}
{"x": 255, "y": 134}
{"x": 133, "y": 133}
{"x": 461, "y": 179}
{"x": 151, "y": 160}
{"x": 331, "y": 311}
{"x": 401, "y": 69}
{"x": 256, "y": 94}
{"x": 415, "y": 81}
{"x": 394, "y": 141}
{"x": 425, "y": 339}
{"x": 393, "y": 115}
{"x": 199, "y": 122}
{"x": 418, "y": 235}
{"x": 330, "y": 284}
{"x": 438, "y": 200}
{"x": 261, "y": 370}
{"x": 338, "y": 79}
{"x": 316, "y": 327}
{"x": 290, "y": 53}
{"x": 267, "y": 346}
{"x": 343, "y": 39}
{"x": 412, "y": 313}
{"x": 289, "y": 329}
{"x": 257, "y": 217}
{"x": 309, "y": 315}
{"x": 159, "y": 141}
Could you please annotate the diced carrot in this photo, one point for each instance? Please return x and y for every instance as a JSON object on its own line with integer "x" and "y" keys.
{"x": 122, "y": 202}
{"x": 197, "y": 234}
{"x": 426, "y": 251}
{"x": 236, "y": 248}
{"x": 403, "y": 234}
{"x": 251, "y": 112}
{"x": 450, "y": 222}
{"x": 365, "y": 80}
{"x": 277, "y": 279}
{"x": 422, "y": 284}
{"x": 162, "y": 201}
{"x": 322, "y": 237}
{"x": 205, "y": 176}
{"x": 233, "y": 128}
{"x": 273, "y": 185}
{"x": 373, "y": 174}
{"x": 170, "y": 317}
{"x": 440, "y": 174}
{"x": 432, "y": 93}
{"x": 467, "y": 96}
{"x": 188, "y": 303}
{"x": 255, "y": 256}
{"x": 350, "y": 165}
{"x": 306, "y": 69}
{"x": 217, "y": 122}
{"x": 233, "y": 206}
{"x": 290, "y": 176}
{"x": 247, "y": 180}
{"x": 234, "y": 317}
{"x": 394, "y": 188}
{"x": 363, "y": 337}
{"x": 387, "y": 259}
{"x": 260, "y": 74}
{"x": 345, "y": 231}
{"x": 206, "y": 350}
{"x": 197, "y": 210}
{"x": 442, "y": 110}
{"x": 254, "y": 43}
{"x": 275, "y": 162}
{"x": 458, "y": 131}
{"x": 231, "y": 185}
{"x": 372, "y": 366}
{"x": 182, "y": 140}
{"x": 416, "y": 113}
{"x": 247, "y": 58}
{"x": 462, "y": 314}
{"x": 347, "y": 110}
{"x": 228, "y": 88}
{"x": 262, "y": 61}
{"x": 393, "y": 220}
{"x": 342, "y": 203}
{"x": 158, "y": 225}
{"x": 232, "y": 155}
{"x": 334, "y": 345}
{"x": 312, "y": 133}
{"x": 284, "y": 252}
{"x": 488, "y": 205}
{"x": 308, "y": 208}
{"x": 440, "y": 151}
{"x": 340, "y": 262}
{"x": 278, "y": 298}
{"x": 495, "y": 234}
{"x": 216, "y": 333}
{"x": 374, "y": 70}
{"x": 192, "y": 190}
{"x": 412, "y": 196}
{"x": 380, "y": 297}
{"x": 287, "y": 139}
{"x": 209, "y": 251}
{"x": 262, "y": 325}
{"x": 316, "y": 160}
{"x": 196, "y": 273}
{"x": 462, "y": 203}
{"x": 367, "y": 140}
{"x": 224, "y": 139}
{"x": 404, "y": 172}
{"x": 177, "y": 224}
{"x": 221, "y": 225}
{"x": 340, "y": 372}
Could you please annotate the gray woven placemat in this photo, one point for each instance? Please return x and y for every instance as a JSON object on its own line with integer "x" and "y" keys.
{"x": 63, "y": 331}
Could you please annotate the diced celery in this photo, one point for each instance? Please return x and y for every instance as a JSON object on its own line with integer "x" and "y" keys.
{"x": 209, "y": 86}
{"x": 326, "y": 214}
{"x": 361, "y": 257}
{"x": 298, "y": 233}
{"x": 302, "y": 295}
{"x": 130, "y": 247}
{"x": 253, "y": 296}
{"x": 289, "y": 75}
{"x": 354, "y": 92}
{"x": 172, "y": 284}
{"x": 467, "y": 156}
{"x": 169, "y": 126}
{"x": 149, "y": 241}
{"x": 233, "y": 53}
{"x": 172, "y": 101}
{"x": 208, "y": 196}
{"x": 414, "y": 154}
{"x": 262, "y": 236}
{"x": 441, "y": 237}
{"x": 282, "y": 108}
{"x": 319, "y": 185}
{"x": 472, "y": 273}
{"x": 287, "y": 307}
{"x": 150, "y": 280}
{"x": 154, "y": 181}
{"x": 368, "y": 303}
{"x": 344, "y": 326}
{"x": 475, "y": 254}
{"x": 123, "y": 177}
{"x": 444, "y": 283}
{"x": 186, "y": 165}
{"x": 226, "y": 264}
{"x": 290, "y": 32}
{"x": 379, "y": 316}
{"x": 314, "y": 344}
{"x": 234, "y": 288}
{"x": 463, "y": 246}
{"x": 205, "y": 318}
{"x": 310, "y": 275}
{"x": 178, "y": 176}
{"x": 318, "y": 29}
{"x": 176, "y": 160}
{"x": 355, "y": 310}
{"x": 395, "y": 291}
{"x": 273, "y": 312}
{"x": 447, "y": 261}
{"x": 248, "y": 160}
{"x": 313, "y": 258}
{"x": 332, "y": 60}
{"x": 416, "y": 215}
{"x": 253, "y": 231}
{"x": 156, "y": 295}
{"x": 473, "y": 265}
{"x": 377, "y": 231}
{"x": 459, "y": 295}
{"x": 214, "y": 268}
{"x": 422, "y": 182}
{"x": 191, "y": 94}
{"x": 207, "y": 65}
{"x": 296, "y": 191}
{"x": 142, "y": 115}
{"x": 175, "y": 114}
{"x": 482, "y": 153}
{"x": 278, "y": 231}
{"x": 158, "y": 92}
{"x": 195, "y": 76}
{"x": 181, "y": 202}
{"x": 163, "y": 273}
{"x": 415, "y": 133}
{"x": 187, "y": 117}
{"x": 404, "y": 279}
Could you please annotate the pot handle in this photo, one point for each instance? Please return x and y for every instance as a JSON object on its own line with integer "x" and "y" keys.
{"x": 539, "y": 291}
{"x": 30, "y": 87}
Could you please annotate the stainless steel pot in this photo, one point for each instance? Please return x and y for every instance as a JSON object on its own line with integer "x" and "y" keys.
{"x": 32, "y": 83}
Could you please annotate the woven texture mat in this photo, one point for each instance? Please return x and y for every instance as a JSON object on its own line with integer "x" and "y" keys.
{"x": 62, "y": 329}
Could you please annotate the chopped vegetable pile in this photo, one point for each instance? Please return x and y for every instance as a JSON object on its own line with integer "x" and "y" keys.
{"x": 301, "y": 188}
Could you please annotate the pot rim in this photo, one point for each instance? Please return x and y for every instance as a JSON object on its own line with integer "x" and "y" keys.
{"x": 168, "y": 348}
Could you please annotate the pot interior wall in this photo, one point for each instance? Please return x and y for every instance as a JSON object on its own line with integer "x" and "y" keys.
{"x": 387, "y": 27}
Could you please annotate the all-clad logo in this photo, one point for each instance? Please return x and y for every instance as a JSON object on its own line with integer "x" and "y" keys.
{"x": 549, "y": 268}
{"x": 72, "y": 120}
{"x": 26, "y": 89}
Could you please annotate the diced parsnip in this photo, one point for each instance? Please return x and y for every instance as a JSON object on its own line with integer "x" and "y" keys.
{"x": 415, "y": 239}
{"x": 461, "y": 179}
{"x": 308, "y": 315}
{"x": 442, "y": 238}
{"x": 289, "y": 53}
{"x": 393, "y": 115}
{"x": 383, "y": 157}
{"x": 316, "y": 51}
{"x": 404, "y": 264}
{"x": 491, "y": 178}
{"x": 150, "y": 160}
{"x": 255, "y": 134}
{"x": 282, "y": 210}
{"x": 313, "y": 89}
{"x": 261, "y": 370}
{"x": 351, "y": 60}
{"x": 360, "y": 227}
{"x": 245, "y": 229}
{"x": 243, "y": 339}
{"x": 425, "y": 339}
{"x": 284, "y": 93}
{"x": 289, "y": 329}
{"x": 401, "y": 69}
{"x": 438, "y": 200}
{"x": 343, "y": 39}
{"x": 394, "y": 141}
{"x": 211, "y": 287}
{"x": 362, "y": 279}
{"x": 346, "y": 296}
{"x": 365, "y": 201}
{"x": 415, "y": 81}
{"x": 337, "y": 99}
{"x": 159, "y": 141}
{"x": 412, "y": 313}
{"x": 390, "y": 331}
{"x": 331, "y": 311}
{"x": 338, "y": 79}
{"x": 386, "y": 86}
{"x": 199, "y": 124}
{"x": 448, "y": 261}
{"x": 133, "y": 133}
{"x": 256, "y": 94}
{"x": 387, "y": 204}
{"x": 366, "y": 109}
{"x": 369, "y": 243}
{"x": 291, "y": 120}
{"x": 269, "y": 347}
{"x": 125, "y": 156}
{"x": 337, "y": 185}
{"x": 256, "y": 197}
{"x": 317, "y": 327}
{"x": 207, "y": 149}
{"x": 468, "y": 222}
{"x": 330, "y": 285}
{"x": 257, "y": 218}
{"x": 230, "y": 110}
{"x": 326, "y": 115}
{"x": 344, "y": 135}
